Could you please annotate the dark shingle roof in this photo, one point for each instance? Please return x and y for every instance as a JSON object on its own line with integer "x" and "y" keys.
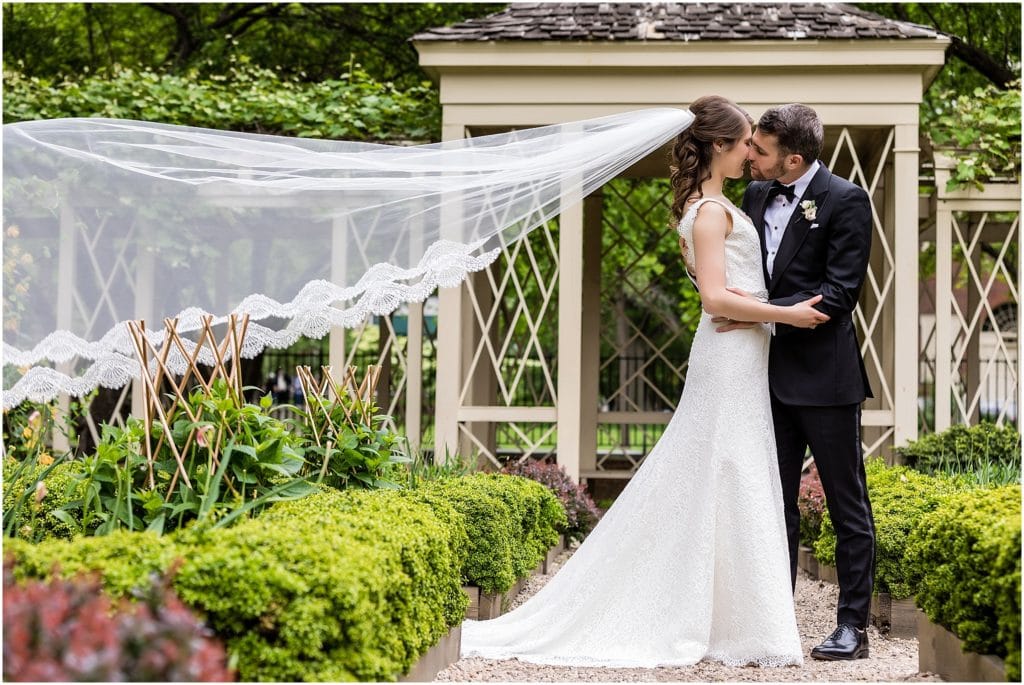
{"x": 671, "y": 21}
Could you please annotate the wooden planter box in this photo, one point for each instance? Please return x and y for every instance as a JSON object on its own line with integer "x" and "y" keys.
{"x": 549, "y": 558}
{"x": 941, "y": 652}
{"x": 805, "y": 559}
{"x": 828, "y": 573}
{"x": 894, "y": 617}
{"x": 484, "y": 606}
{"x": 439, "y": 657}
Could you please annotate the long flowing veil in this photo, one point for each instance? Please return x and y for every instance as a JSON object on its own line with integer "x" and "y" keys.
{"x": 107, "y": 221}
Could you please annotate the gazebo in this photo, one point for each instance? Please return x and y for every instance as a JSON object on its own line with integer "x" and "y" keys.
{"x": 538, "y": 64}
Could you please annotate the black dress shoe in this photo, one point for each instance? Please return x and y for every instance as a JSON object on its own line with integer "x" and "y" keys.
{"x": 844, "y": 644}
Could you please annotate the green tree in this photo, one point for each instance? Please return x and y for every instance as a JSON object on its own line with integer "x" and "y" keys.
{"x": 316, "y": 41}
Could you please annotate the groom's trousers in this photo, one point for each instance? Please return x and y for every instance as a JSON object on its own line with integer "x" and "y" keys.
{"x": 833, "y": 435}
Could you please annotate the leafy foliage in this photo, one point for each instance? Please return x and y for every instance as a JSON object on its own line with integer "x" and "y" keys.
{"x": 511, "y": 523}
{"x": 983, "y": 129}
{"x": 984, "y": 452}
{"x": 33, "y": 491}
{"x": 348, "y": 444}
{"x": 580, "y": 511}
{"x": 242, "y": 460}
{"x": 336, "y": 586}
{"x": 353, "y": 106}
{"x": 68, "y": 630}
{"x": 964, "y": 559}
{"x": 900, "y": 497}
{"x": 811, "y": 502}
{"x": 309, "y": 40}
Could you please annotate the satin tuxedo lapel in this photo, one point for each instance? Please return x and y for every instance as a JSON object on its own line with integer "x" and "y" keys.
{"x": 798, "y": 226}
{"x": 760, "y": 203}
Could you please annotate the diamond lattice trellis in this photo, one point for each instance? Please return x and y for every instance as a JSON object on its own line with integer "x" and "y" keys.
{"x": 981, "y": 347}
{"x": 866, "y": 160}
{"x": 647, "y": 321}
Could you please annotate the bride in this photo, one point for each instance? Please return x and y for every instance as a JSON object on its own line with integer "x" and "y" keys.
{"x": 691, "y": 562}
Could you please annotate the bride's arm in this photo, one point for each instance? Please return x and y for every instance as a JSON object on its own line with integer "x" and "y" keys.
{"x": 709, "y": 231}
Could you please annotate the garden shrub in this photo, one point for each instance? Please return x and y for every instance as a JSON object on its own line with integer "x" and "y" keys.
{"x": 899, "y": 498}
{"x": 511, "y": 523}
{"x": 580, "y": 511}
{"x": 124, "y": 559}
{"x": 69, "y": 630}
{"x": 336, "y": 586}
{"x": 811, "y": 502}
{"x": 250, "y": 98}
{"x": 33, "y": 492}
{"x": 984, "y": 449}
{"x": 964, "y": 559}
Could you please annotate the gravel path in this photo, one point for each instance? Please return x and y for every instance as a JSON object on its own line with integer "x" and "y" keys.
{"x": 891, "y": 659}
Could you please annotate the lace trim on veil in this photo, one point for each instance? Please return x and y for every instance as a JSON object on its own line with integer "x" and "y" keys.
{"x": 311, "y": 314}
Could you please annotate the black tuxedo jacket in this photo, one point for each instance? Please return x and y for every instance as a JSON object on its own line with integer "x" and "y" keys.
{"x": 826, "y": 256}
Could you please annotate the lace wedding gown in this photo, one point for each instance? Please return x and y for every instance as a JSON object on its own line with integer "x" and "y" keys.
{"x": 691, "y": 562}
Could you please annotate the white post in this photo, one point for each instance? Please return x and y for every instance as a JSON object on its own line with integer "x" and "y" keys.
{"x": 449, "y": 345}
{"x": 943, "y": 316}
{"x": 339, "y": 271}
{"x": 569, "y": 407}
{"x": 905, "y": 285}
{"x": 414, "y": 354}
{"x": 590, "y": 332}
{"x": 65, "y": 299}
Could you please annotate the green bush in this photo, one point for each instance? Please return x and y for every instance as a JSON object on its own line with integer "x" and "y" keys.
{"x": 337, "y": 586}
{"x": 248, "y": 98}
{"x": 984, "y": 449}
{"x": 235, "y": 459}
{"x": 124, "y": 558}
{"x": 511, "y": 523}
{"x": 965, "y": 560}
{"x": 899, "y": 498}
{"x": 29, "y": 508}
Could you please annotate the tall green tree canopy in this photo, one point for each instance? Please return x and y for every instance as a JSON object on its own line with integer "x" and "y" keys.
{"x": 317, "y": 41}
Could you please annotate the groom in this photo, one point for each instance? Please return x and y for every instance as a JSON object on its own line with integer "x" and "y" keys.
{"x": 815, "y": 231}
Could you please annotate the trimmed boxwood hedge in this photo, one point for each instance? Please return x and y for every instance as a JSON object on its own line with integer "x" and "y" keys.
{"x": 337, "y": 586}
{"x": 964, "y": 559}
{"x": 353, "y": 585}
{"x": 35, "y": 520}
{"x": 511, "y": 522}
{"x": 899, "y": 498}
{"x": 964, "y": 448}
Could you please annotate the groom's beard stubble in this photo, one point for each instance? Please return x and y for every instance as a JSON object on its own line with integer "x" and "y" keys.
{"x": 769, "y": 174}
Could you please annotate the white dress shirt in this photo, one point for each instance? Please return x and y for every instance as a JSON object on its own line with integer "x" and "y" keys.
{"x": 778, "y": 213}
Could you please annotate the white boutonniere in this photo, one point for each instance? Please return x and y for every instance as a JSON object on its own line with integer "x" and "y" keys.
{"x": 810, "y": 209}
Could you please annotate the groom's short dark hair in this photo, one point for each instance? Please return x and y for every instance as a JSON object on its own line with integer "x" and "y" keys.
{"x": 797, "y": 128}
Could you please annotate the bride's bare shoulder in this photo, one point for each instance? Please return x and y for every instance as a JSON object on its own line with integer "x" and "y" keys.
{"x": 712, "y": 217}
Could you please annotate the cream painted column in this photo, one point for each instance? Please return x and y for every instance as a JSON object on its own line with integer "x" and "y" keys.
{"x": 943, "y": 316}
{"x": 414, "y": 356}
{"x": 339, "y": 269}
{"x": 570, "y": 405}
{"x": 449, "y": 346}
{"x": 590, "y": 331}
{"x": 65, "y": 300}
{"x": 905, "y": 285}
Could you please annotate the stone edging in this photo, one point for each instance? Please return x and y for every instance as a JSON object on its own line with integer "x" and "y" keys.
{"x": 942, "y": 652}
{"x": 484, "y": 606}
{"x": 939, "y": 650}
{"x": 437, "y": 658}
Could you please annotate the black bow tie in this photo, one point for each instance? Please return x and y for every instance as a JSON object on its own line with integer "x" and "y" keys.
{"x": 785, "y": 191}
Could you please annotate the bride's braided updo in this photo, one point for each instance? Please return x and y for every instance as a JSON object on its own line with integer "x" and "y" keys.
{"x": 716, "y": 119}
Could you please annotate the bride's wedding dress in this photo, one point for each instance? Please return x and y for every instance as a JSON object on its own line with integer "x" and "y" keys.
{"x": 691, "y": 562}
